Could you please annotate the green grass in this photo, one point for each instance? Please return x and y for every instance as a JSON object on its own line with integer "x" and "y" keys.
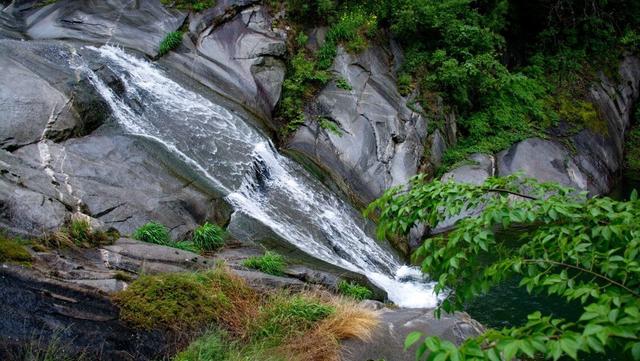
{"x": 13, "y": 251}
{"x": 271, "y": 263}
{"x": 354, "y": 290}
{"x": 153, "y": 232}
{"x": 171, "y": 41}
{"x": 285, "y": 315}
{"x": 193, "y": 5}
{"x": 77, "y": 233}
{"x": 183, "y": 301}
{"x": 208, "y": 237}
{"x": 330, "y": 126}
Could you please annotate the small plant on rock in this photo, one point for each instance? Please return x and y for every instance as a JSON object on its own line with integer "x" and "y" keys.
{"x": 153, "y": 232}
{"x": 12, "y": 250}
{"x": 271, "y": 263}
{"x": 171, "y": 41}
{"x": 208, "y": 237}
{"x": 354, "y": 290}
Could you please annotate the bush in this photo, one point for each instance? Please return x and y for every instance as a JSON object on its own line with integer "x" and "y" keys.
{"x": 271, "y": 263}
{"x": 208, "y": 237}
{"x": 171, "y": 41}
{"x": 153, "y": 232}
{"x": 12, "y": 250}
{"x": 354, "y": 290}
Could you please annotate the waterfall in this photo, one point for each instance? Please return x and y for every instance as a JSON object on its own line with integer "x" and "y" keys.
{"x": 243, "y": 164}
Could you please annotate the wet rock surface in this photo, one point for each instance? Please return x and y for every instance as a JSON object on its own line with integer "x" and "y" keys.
{"x": 381, "y": 138}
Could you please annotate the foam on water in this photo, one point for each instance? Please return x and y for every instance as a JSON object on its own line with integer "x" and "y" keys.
{"x": 257, "y": 181}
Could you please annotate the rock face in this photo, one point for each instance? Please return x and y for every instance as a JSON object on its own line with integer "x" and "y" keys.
{"x": 110, "y": 21}
{"x": 381, "y": 141}
{"x": 388, "y": 341}
{"x": 36, "y": 309}
{"x": 234, "y": 50}
{"x": 596, "y": 157}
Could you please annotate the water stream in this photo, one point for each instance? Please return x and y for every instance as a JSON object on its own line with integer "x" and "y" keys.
{"x": 241, "y": 163}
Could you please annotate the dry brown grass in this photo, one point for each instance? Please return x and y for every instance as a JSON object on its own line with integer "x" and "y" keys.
{"x": 322, "y": 343}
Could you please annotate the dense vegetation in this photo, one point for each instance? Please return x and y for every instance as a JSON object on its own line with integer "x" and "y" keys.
{"x": 554, "y": 239}
{"x": 236, "y": 322}
{"x": 270, "y": 262}
{"x": 508, "y": 69}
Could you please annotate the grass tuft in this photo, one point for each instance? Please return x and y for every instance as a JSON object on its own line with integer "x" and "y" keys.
{"x": 271, "y": 263}
{"x": 153, "y": 232}
{"x": 12, "y": 250}
{"x": 77, "y": 233}
{"x": 354, "y": 290}
{"x": 171, "y": 41}
{"x": 208, "y": 237}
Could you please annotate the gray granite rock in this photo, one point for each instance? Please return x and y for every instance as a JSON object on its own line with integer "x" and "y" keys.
{"x": 395, "y": 324}
{"x": 381, "y": 141}
{"x": 139, "y": 25}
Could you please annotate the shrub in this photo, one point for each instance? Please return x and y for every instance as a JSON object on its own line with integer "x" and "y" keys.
{"x": 12, "y": 250}
{"x": 271, "y": 263}
{"x": 171, "y": 41}
{"x": 153, "y": 232}
{"x": 208, "y": 237}
{"x": 354, "y": 290}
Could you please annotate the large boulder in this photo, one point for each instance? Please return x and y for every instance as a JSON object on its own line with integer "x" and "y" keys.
{"x": 380, "y": 144}
{"x": 122, "y": 181}
{"x": 234, "y": 50}
{"x": 387, "y": 342}
{"x": 139, "y": 25}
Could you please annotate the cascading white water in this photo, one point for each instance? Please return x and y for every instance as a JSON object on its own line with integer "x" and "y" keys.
{"x": 243, "y": 164}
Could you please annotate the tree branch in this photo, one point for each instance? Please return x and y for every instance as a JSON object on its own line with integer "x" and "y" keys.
{"x": 500, "y": 190}
{"x": 566, "y": 265}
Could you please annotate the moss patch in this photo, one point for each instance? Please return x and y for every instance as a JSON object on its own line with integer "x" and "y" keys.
{"x": 185, "y": 301}
{"x": 12, "y": 250}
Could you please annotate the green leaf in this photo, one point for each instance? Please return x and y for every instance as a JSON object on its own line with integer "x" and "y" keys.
{"x": 412, "y": 338}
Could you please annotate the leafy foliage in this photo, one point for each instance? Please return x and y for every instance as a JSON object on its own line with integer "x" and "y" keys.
{"x": 171, "y": 41}
{"x": 153, "y": 232}
{"x": 582, "y": 249}
{"x": 271, "y": 263}
{"x": 208, "y": 237}
{"x": 194, "y": 5}
{"x": 354, "y": 290}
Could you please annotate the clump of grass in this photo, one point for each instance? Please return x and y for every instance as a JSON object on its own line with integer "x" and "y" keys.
{"x": 12, "y": 250}
{"x": 331, "y": 126}
{"x": 343, "y": 84}
{"x": 354, "y": 290}
{"x": 208, "y": 237}
{"x": 153, "y": 232}
{"x": 171, "y": 41}
{"x": 123, "y": 276}
{"x": 78, "y": 233}
{"x": 194, "y": 5}
{"x": 286, "y": 315}
{"x": 271, "y": 263}
{"x": 291, "y": 327}
{"x": 185, "y": 302}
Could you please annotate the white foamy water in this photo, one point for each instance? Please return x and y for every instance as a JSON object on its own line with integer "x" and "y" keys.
{"x": 241, "y": 163}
